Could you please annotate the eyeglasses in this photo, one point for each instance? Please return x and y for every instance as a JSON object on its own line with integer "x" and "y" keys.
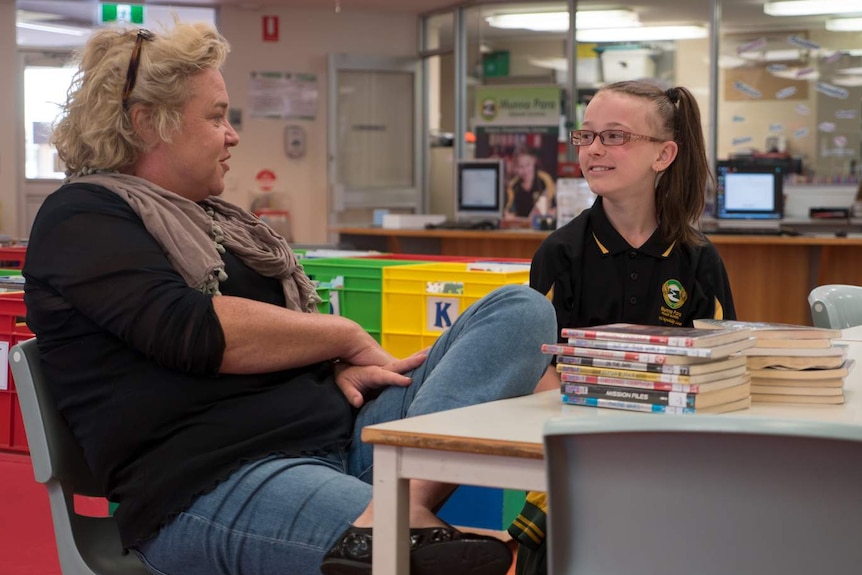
{"x": 134, "y": 61}
{"x": 608, "y": 137}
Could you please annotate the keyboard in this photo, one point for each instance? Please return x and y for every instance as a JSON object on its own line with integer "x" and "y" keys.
{"x": 465, "y": 225}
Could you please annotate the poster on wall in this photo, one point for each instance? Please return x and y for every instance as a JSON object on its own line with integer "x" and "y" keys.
{"x": 530, "y": 158}
{"x": 520, "y": 124}
{"x": 281, "y": 95}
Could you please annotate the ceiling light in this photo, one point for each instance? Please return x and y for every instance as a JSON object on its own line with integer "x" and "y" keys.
{"x": 54, "y": 28}
{"x": 812, "y": 7}
{"x": 844, "y": 24}
{"x": 559, "y": 21}
{"x": 642, "y": 34}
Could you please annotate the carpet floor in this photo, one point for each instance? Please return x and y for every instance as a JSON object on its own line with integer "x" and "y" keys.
{"x": 26, "y": 533}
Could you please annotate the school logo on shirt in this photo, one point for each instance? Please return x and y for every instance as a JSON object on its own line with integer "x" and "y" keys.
{"x": 674, "y": 294}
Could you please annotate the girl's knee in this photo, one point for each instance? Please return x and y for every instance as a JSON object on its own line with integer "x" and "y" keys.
{"x": 531, "y": 304}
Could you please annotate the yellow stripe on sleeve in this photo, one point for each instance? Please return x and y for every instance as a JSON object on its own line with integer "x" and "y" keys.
{"x": 529, "y": 529}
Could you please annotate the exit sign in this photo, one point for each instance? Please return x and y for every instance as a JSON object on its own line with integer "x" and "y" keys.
{"x": 132, "y": 13}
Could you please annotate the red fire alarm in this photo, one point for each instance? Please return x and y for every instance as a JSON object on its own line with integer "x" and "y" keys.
{"x": 270, "y": 28}
{"x": 265, "y": 180}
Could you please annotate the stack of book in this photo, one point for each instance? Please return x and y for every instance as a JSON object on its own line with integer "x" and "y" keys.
{"x": 654, "y": 369}
{"x": 792, "y": 363}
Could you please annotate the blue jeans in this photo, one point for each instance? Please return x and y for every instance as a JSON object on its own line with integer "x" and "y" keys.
{"x": 279, "y": 515}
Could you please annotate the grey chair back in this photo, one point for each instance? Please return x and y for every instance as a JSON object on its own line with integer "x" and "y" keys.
{"x": 85, "y": 545}
{"x": 640, "y": 494}
{"x": 836, "y": 306}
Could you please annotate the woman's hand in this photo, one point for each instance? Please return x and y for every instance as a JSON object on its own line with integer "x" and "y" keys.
{"x": 358, "y": 382}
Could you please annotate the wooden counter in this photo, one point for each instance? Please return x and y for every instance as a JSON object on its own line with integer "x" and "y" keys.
{"x": 770, "y": 275}
{"x": 490, "y": 243}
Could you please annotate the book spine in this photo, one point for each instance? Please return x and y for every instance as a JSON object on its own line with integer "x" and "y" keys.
{"x": 604, "y": 353}
{"x": 668, "y": 378}
{"x": 669, "y": 398}
{"x": 621, "y": 364}
{"x": 569, "y": 377}
{"x": 627, "y": 405}
{"x": 574, "y": 333}
{"x": 641, "y": 347}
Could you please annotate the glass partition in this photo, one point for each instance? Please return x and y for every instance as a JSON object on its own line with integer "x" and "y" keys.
{"x": 780, "y": 89}
{"x": 520, "y": 54}
{"x": 788, "y": 95}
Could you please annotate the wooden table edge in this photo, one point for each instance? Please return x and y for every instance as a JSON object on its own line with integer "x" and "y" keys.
{"x": 522, "y": 449}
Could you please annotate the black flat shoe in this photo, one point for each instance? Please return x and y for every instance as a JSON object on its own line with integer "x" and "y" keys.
{"x": 351, "y": 554}
{"x": 433, "y": 551}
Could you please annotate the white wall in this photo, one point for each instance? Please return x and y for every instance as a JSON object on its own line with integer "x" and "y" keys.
{"x": 306, "y": 38}
{"x": 9, "y": 110}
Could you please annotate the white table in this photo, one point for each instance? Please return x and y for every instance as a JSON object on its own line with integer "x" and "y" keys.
{"x": 499, "y": 444}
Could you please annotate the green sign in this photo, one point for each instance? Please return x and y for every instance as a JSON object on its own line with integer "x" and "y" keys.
{"x": 131, "y": 13}
{"x": 518, "y": 105}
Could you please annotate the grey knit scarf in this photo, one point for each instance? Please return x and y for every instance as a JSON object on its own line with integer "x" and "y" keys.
{"x": 194, "y": 234}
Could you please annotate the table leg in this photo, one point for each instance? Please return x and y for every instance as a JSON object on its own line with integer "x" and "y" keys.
{"x": 391, "y": 552}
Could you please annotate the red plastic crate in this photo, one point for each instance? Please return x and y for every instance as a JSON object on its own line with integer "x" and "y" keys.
{"x": 12, "y": 340}
{"x": 18, "y": 440}
{"x": 6, "y": 406}
{"x": 13, "y": 313}
{"x": 442, "y": 258}
{"x": 13, "y": 257}
{"x": 13, "y": 328}
{"x": 12, "y": 434}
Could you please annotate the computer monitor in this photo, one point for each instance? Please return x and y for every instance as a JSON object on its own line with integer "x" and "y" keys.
{"x": 746, "y": 192}
{"x": 479, "y": 189}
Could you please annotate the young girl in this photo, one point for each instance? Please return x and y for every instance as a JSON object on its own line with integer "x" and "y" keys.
{"x": 636, "y": 256}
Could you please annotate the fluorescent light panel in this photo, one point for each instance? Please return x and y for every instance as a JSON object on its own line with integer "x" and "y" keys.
{"x": 642, "y": 34}
{"x": 54, "y": 28}
{"x": 559, "y": 21}
{"x": 844, "y": 24}
{"x": 812, "y": 7}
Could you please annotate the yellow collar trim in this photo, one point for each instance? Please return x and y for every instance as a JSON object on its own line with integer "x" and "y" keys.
{"x": 603, "y": 249}
{"x": 668, "y": 250}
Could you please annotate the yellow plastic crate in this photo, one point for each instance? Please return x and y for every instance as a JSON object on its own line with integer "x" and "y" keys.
{"x": 422, "y": 301}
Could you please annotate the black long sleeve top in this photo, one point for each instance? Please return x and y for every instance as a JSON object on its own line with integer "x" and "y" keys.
{"x": 132, "y": 354}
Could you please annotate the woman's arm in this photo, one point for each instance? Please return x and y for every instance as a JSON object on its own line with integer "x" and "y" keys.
{"x": 261, "y": 337}
{"x": 94, "y": 253}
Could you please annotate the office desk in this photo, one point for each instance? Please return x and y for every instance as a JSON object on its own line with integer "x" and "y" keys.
{"x": 770, "y": 276}
{"x": 499, "y": 444}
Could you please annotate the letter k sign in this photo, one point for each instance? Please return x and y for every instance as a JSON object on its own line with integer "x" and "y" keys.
{"x": 441, "y": 317}
{"x": 441, "y": 313}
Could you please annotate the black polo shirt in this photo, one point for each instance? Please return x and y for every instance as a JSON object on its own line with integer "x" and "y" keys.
{"x": 594, "y": 276}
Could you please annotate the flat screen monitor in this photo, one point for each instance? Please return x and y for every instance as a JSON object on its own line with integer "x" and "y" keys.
{"x": 746, "y": 192}
{"x": 479, "y": 189}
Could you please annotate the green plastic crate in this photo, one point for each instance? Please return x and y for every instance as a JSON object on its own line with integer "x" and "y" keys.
{"x": 323, "y": 306}
{"x": 361, "y": 297}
